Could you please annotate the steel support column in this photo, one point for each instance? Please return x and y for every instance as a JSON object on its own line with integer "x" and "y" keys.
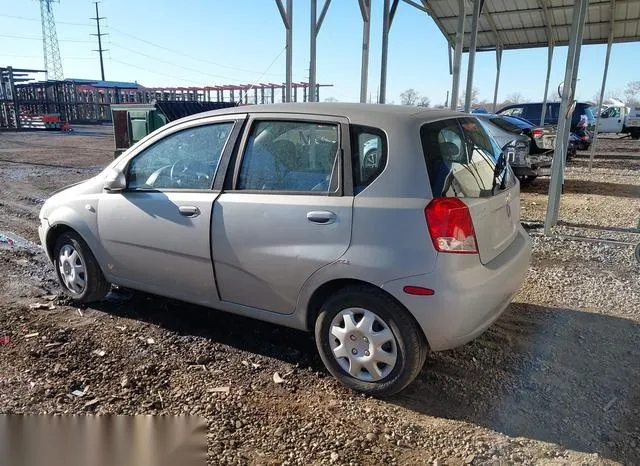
{"x": 604, "y": 83}
{"x": 287, "y": 19}
{"x": 546, "y": 84}
{"x": 314, "y": 29}
{"x": 498, "y": 64}
{"x": 385, "y": 50}
{"x": 564, "y": 117}
{"x": 365, "y": 10}
{"x": 457, "y": 55}
{"x": 477, "y": 7}
{"x": 313, "y": 35}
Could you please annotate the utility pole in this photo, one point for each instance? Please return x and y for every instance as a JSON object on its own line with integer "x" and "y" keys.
{"x": 99, "y": 35}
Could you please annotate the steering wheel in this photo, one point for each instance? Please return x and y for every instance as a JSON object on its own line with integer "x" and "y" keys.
{"x": 179, "y": 167}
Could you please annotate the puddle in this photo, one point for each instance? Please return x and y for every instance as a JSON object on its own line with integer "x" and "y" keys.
{"x": 13, "y": 241}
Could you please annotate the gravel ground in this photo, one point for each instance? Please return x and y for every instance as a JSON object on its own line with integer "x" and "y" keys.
{"x": 554, "y": 381}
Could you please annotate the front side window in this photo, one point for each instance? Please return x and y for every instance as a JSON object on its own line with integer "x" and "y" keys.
{"x": 298, "y": 156}
{"x": 611, "y": 112}
{"x": 184, "y": 160}
{"x": 461, "y": 159}
{"x": 369, "y": 155}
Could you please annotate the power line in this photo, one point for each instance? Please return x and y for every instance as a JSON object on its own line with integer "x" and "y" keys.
{"x": 185, "y": 55}
{"x": 24, "y": 18}
{"x": 154, "y": 72}
{"x": 113, "y": 44}
{"x": 11, "y": 36}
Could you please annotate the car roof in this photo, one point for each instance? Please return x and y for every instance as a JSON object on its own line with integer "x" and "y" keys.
{"x": 355, "y": 112}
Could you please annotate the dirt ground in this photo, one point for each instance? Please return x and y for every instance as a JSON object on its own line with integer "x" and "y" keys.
{"x": 554, "y": 381}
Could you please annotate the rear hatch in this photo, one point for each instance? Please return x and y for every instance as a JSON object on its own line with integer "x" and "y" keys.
{"x": 461, "y": 162}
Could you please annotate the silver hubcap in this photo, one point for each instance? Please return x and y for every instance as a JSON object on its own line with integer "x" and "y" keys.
{"x": 363, "y": 344}
{"x": 72, "y": 269}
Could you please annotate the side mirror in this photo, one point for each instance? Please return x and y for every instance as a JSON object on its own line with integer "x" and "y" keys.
{"x": 115, "y": 181}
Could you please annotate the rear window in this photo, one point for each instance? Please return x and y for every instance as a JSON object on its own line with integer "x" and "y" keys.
{"x": 506, "y": 125}
{"x": 520, "y": 123}
{"x": 461, "y": 159}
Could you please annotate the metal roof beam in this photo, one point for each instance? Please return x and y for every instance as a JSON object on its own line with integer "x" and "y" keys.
{"x": 283, "y": 14}
{"x": 365, "y": 10}
{"x": 542, "y": 28}
{"x": 416, "y": 5}
{"x": 552, "y": 9}
{"x": 544, "y": 4}
{"x": 436, "y": 20}
{"x": 392, "y": 12}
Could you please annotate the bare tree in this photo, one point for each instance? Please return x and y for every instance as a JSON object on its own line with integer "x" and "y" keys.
{"x": 475, "y": 97}
{"x": 514, "y": 98}
{"x": 424, "y": 102}
{"x": 409, "y": 97}
{"x": 632, "y": 92}
{"x": 331, "y": 99}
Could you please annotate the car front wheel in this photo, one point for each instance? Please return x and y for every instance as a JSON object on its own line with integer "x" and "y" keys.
{"x": 77, "y": 269}
{"x": 369, "y": 342}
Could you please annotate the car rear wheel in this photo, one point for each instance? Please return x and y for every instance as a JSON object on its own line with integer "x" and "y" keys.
{"x": 369, "y": 342}
{"x": 78, "y": 270}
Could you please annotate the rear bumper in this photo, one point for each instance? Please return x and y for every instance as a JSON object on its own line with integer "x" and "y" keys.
{"x": 469, "y": 296}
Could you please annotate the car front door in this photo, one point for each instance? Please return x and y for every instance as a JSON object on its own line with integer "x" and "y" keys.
{"x": 157, "y": 232}
{"x": 287, "y": 210}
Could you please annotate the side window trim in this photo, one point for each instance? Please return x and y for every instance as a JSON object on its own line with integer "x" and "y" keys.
{"x": 232, "y": 176}
{"x": 235, "y": 120}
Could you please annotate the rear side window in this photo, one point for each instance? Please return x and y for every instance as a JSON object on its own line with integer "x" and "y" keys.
{"x": 296, "y": 156}
{"x": 461, "y": 159}
{"x": 369, "y": 155}
{"x": 532, "y": 111}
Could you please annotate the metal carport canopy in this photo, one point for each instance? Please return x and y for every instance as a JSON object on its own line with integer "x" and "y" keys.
{"x": 520, "y": 24}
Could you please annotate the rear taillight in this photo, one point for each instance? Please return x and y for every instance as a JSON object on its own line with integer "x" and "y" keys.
{"x": 450, "y": 226}
{"x": 537, "y": 132}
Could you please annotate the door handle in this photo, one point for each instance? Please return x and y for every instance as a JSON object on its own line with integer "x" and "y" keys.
{"x": 188, "y": 211}
{"x": 323, "y": 217}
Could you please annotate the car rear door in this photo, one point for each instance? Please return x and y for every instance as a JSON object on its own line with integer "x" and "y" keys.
{"x": 461, "y": 159}
{"x": 286, "y": 210}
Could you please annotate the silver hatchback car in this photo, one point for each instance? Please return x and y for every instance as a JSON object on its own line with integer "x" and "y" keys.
{"x": 388, "y": 231}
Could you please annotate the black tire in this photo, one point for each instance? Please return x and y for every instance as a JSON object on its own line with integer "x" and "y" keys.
{"x": 410, "y": 343}
{"x": 96, "y": 287}
{"x": 635, "y": 134}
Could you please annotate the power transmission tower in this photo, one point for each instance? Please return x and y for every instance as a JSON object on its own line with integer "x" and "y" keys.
{"x": 50, "y": 48}
{"x": 99, "y": 35}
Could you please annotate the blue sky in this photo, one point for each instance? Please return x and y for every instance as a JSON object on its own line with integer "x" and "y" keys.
{"x": 208, "y": 42}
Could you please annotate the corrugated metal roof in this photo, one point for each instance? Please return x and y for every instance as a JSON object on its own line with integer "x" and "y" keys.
{"x": 98, "y": 83}
{"x": 518, "y": 24}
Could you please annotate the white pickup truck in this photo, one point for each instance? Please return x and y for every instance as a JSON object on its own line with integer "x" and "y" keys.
{"x": 618, "y": 118}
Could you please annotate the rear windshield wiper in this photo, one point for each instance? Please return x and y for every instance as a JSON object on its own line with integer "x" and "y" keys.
{"x": 501, "y": 166}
